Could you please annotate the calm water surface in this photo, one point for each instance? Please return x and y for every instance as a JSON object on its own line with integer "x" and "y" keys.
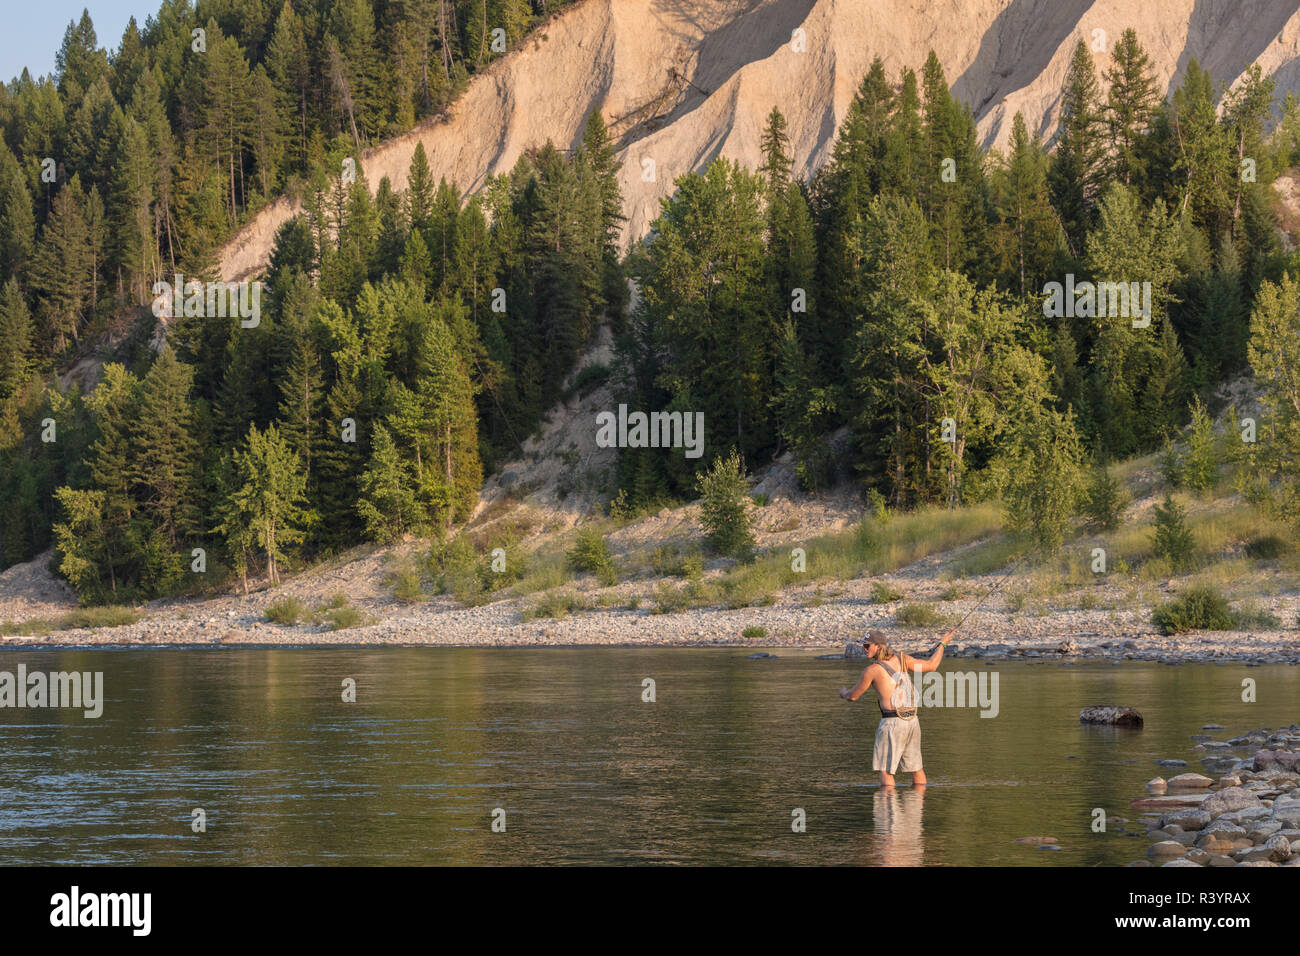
{"x": 586, "y": 772}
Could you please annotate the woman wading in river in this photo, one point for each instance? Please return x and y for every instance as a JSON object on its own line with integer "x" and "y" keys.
{"x": 898, "y": 738}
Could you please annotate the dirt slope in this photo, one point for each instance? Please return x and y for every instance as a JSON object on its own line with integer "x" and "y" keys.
{"x": 682, "y": 81}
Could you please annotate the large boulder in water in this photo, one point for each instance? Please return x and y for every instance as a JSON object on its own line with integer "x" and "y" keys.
{"x": 1114, "y": 716}
{"x": 854, "y": 652}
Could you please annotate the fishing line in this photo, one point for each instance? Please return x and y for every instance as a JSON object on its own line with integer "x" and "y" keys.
{"x": 996, "y": 588}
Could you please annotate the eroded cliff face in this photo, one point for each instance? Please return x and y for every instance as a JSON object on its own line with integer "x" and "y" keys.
{"x": 683, "y": 81}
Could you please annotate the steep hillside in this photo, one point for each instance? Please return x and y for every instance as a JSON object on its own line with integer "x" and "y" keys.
{"x": 683, "y": 81}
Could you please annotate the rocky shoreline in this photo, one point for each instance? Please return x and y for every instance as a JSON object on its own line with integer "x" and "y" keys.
{"x": 991, "y": 634}
{"x": 495, "y": 626}
{"x": 1250, "y": 816}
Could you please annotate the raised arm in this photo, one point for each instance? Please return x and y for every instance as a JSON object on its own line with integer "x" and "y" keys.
{"x": 863, "y": 684}
{"x": 931, "y": 663}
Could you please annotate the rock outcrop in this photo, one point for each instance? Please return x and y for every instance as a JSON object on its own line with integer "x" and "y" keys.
{"x": 682, "y": 82}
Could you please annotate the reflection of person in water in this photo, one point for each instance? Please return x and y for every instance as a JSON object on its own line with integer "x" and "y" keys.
{"x": 896, "y": 820}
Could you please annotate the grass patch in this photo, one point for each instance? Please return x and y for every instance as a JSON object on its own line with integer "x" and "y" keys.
{"x": 345, "y": 616}
{"x": 919, "y": 615}
{"x": 287, "y": 611}
{"x": 672, "y": 561}
{"x": 408, "y": 583}
{"x": 754, "y": 631}
{"x": 112, "y": 615}
{"x": 882, "y": 593}
{"x": 872, "y": 547}
{"x": 556, "y": 605}
{"x": 1252, "y": 616}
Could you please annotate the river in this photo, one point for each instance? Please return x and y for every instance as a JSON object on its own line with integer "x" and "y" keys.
{"x": 561, "y": 750}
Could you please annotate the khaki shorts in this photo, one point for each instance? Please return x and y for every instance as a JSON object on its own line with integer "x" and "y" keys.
{"x": 898, "y": 746}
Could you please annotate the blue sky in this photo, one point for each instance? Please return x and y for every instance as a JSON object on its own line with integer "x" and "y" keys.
{"x": 33, "y": 29}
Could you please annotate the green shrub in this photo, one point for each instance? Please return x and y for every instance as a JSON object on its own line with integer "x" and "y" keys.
{"x": 1173, "y": 539}
{"x": 882, "y": 593}
{"x": 670, "y": 598}
{"x": 288, "y": 610}
{"x": 588, "y": 379}
{"x": 557, "y": 604}
{"x": 727, "y": 522}
{"x": 1104, "y": 499}
{"x": 407, "y": 585}
{"x": 1171, "y": 464}
{"x": 590, "y": 553}
{"x": 672, "y": 562}
{"x": 343, "y": 616}
{"x": 918, "y": 615}
{"x": 457, "y": 569}
{"x": 754, "y": 631}
{"x": 1267, "y": 547}
{"x": 1200, "y": 465}
{"x": 1196, "y": 609}
{"x": 506, "y": 563}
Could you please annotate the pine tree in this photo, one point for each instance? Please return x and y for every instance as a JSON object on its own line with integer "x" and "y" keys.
{"x": 135, "y": 252}
{"x": 1274, "y": 355}
{"x": 1028, "y": 228}
{"x": 166, "y": 453}
{"x": 16, "y": 334}
{"x": 1043, "y": 474}
{"x": 419, "y": 191}
{"x": 268, "y": 499}
{"x": 1130, "y": 107}
{"x": 1173, "y": 539}
{"x": 17, "y": 220}
{"x": 1204, "y": 162}
{"x": 387, "y": 505}
{"x": 1245, "y": 108}
{"x": 1077, "y": 169}
{"x": 888, "y": 349}
{"x": 289, "y": 65}
{"x": 302, "y": 384}
{"x": 79, "y": 62}
{"x": 705, "y": 289}
{"x": 60, "y": 269}
{"x": 114, "y": 407}
{"x": 228, "y": 114}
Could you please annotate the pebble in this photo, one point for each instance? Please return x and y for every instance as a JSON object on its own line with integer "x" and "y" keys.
{"x": 1249, "y": 817}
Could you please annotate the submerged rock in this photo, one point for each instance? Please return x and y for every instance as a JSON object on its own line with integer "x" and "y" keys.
{"x": 1189, "y": 819}
{"x": 1111, "y": 715}
{"x": 1166, "y": 850}
{"x": 1190, "y": 781}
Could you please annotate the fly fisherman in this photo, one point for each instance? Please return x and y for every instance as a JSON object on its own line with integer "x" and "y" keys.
{"x": 898, "y": 738}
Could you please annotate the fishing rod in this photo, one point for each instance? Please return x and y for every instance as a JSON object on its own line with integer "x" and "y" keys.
{"x": 995, "y": 589}
{"x": 1001, "y": 582}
